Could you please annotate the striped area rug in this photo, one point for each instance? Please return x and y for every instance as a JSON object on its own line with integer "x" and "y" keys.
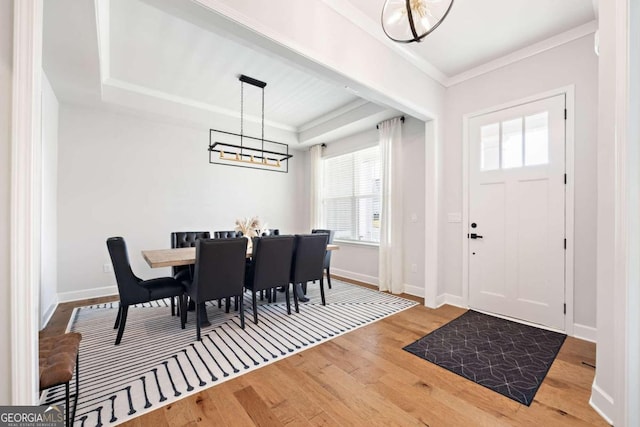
{"x": 157, "y": 362}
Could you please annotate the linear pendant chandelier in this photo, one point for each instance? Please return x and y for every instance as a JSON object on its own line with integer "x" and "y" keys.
{"x": 407, "y": 21}
{"x": 238, "y": 149}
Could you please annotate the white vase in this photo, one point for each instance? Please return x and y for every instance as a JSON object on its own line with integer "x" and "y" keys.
{"x": 249, "y": 243}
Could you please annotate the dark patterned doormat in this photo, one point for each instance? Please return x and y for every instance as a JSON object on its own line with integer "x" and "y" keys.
{"x": 507, "y": 357}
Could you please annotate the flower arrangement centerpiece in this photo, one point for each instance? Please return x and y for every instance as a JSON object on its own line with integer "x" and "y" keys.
{"x": 250, "y": 228}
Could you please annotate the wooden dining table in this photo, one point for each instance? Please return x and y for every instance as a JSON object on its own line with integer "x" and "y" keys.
{"x": 183, "y": 256}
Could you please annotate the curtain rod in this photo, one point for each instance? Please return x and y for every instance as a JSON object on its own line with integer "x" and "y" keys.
{"x": 401, "y": 119}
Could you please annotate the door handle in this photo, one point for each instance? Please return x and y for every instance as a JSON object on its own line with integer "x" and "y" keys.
{"x": 474, "y": 236}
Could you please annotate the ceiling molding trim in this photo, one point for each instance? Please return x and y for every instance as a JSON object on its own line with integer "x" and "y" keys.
{"x": 358, "y": 18}
{"x": 332, "y": 114}
{"x": 527, "y": 52}
{"x": 103, "y": 9}
{"x": 188, "y": 102}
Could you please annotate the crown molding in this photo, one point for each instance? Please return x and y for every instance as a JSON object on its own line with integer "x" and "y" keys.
{"x": 527, "y": 52}
{"x": 102, "y": 11}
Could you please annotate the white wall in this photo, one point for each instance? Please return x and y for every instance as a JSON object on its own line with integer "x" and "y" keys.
{"x": 124, "y": 175}
{"x": 360, "y": 262}
{"x": 573, "y": 63}
{"x": 6, "y": 67}
{"x": 49, "y": 228}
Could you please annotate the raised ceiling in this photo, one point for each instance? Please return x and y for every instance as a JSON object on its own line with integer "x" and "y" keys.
{"x": 172, "y": 57}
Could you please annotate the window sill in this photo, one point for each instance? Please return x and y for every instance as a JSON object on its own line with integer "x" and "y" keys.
{"x": 356, "y": 243}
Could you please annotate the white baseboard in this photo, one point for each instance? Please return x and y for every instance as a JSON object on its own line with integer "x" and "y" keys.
{"x": 87, "y": 293}
{"x": 48, "y": 313}
{"x": 355, "y": 276}
{"x": 416, "y": 291}
{"x": 602, "y": 403}
{"x": 587, "y": 333}
{"x": 450, "y": 299}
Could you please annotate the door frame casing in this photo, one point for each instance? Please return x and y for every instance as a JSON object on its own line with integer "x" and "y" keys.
{"x": 569, "y": 93}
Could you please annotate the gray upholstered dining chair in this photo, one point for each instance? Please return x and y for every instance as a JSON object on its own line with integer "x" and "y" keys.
{"x": 134, "y": 290}
{"x": 218, "y": 273}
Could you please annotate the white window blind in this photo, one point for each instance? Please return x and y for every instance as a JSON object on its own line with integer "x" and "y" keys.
{"x": 351, "y": 195}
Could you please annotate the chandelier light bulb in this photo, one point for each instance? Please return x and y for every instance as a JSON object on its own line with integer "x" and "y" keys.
{"x": 408, "y": 21}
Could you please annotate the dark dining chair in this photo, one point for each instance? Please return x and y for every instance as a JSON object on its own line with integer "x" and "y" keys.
{"x": 271, "y": 232}
{"x": 134, "y": 290}
{"x": 227, "y": 234}
{"x": 269, "y": 268}
{"x": 218, "y": 273}
{"x": 308, "y": 260}
{"x": 327, "y": 256}
{"x": 184, "y": 239}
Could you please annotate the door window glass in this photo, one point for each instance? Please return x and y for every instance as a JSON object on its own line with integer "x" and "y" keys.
{"x": 512, "y": 144}
{"x": 523, "y": 141}
{"x": 536, "y": 139}
{"x": 490, "y": 142}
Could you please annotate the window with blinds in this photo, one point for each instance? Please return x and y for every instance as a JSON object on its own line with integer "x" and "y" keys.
{"x": 351, "y": 195}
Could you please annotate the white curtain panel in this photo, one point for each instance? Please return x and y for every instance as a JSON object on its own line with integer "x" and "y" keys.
{"x": 390, "y": 263}
{"x": 316, "y": 211}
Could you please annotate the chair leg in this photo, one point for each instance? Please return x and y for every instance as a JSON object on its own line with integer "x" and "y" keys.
{"x": 235, "y": 303}
{"x": 183, "y": 311}
{"x": 123, "y": 321}
{"x": 322, "y": 291}
{"x": 295, "y": 299}
{"x": 255, "y": 307}
{"x": 173, "y": 306}
{"x": 261, "y": 295}
{"x": 198, "y": 322}
{"x": 220, "y": 303}
{"x": 241, "y": 302}
{"x": 304, "y": 287}
{"x": 329, "y": 276}
{"x": 274, "y": 292}
{"x": 115, "y": 326}
{"x": 227, "y": 304}
{"x": 286, "y": 297}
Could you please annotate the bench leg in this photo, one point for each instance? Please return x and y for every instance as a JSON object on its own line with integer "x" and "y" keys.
{"x": 66, "y": 408}
{"x": 75, "y": 399}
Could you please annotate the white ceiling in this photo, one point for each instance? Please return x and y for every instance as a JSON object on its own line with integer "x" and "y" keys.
{"x": 478, "y": 31}
{"x": 173, "y": 58}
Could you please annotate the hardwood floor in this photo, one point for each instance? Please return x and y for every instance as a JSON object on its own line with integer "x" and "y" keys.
{"x": 365, "y": 378}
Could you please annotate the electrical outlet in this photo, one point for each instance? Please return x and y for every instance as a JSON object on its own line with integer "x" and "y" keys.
{"x": 107, "y": 267}
{"x": 414, "y": 268}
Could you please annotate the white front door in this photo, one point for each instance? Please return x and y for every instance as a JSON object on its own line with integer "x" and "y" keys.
{"x": 517, "y": 212}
